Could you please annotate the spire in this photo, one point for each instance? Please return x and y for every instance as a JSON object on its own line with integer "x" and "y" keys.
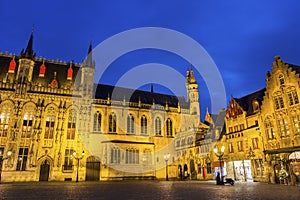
{"x": 29, "y": 49}
{"x": 89, "y": 59}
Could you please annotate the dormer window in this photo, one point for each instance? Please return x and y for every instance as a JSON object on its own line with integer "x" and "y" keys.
{"x": 255, "y": 106}
{"x": 281, "y": 79}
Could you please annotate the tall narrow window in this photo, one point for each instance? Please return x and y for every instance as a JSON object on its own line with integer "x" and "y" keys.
{"x": 68, "y": 163}
{"x": 293, "y": 98}
{"x": 132, "y": 156}
{"x": 157, "y": 126}
{"x": 281, "y": 79}
{"x": 27, "y": 125}
{"x": 296, "y": 122}
{"x": 283, "y": 127}
{"x": 240, "y": 145}
{"x": 270, "y": 130}
{"x": 255, "y": 143}
{"x": 169, "y": 127}
{"x": 49, "y": 129}
{"x": 278, "y": 102}
{"x": 144, "y": 125}
{"x": 130, "y": 124}
{"x": 112, "y": 128}
{"x": 4, "y": 120}
{"x": 22, "y": 159}
{"x": 115, "y": 155}
{"x": 230, "y": 147}
{"x": 97, "y": 121}
{"x": 71, "y": 126}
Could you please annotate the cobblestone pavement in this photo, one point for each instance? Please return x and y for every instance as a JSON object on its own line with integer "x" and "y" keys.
{"x": 147, "y": 190}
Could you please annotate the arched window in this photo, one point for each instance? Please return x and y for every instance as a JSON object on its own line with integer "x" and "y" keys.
{"x": 144, "y": 125}
{"x": 115, "y": 155}
{"x": 269, "y": 129}
{"x": 157, "y": 126}
{"x": 50, "y": 121}
{"x": 130, "y": 124}
{"x": 112, "y": 119}
{"x": 4, "y": 120}
{"x": 27, "y": 124}
{"x": 71, "y": 126}
{"x": 281, "y": 79}
{"x": 169, "y": 127}
{"x": 255, "y": 106}
{"x": 97, "y": 121}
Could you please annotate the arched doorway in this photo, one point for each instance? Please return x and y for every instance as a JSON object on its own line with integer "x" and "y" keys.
{"x": 294, "y": 168}
{"x": 92, "y": 169}
{"x": 185, "y": 171}
{"x": 44, "y": 171}
{"x": 180, "y": 172}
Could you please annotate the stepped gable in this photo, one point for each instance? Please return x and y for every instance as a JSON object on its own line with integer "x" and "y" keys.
{"x": 246, "y": 101}
{"x": 118, "y": 93}
{"x": 295, "y": 68}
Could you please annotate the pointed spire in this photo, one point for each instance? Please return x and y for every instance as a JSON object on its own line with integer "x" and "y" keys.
{"x": 89, "y": 59}
{"x": 29, "y": 49}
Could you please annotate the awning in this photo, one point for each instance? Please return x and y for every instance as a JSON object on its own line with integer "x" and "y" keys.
{"x": 217, "y": 164}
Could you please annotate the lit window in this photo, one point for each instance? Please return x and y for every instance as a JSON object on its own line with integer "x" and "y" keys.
{"x": 255, "y": 106}
{"x": 4, "y": 120}
{"x": 255, "y": 143}
{"x": 283, "y": 128}
{"x": 27, "y": 125}
{"x": 68, "y": 164}
{"x": 230, "y": 148}
{"x": 296, "y": 122}
{"x": 270, "y": 130}
{"x": 22, "y": 159}
{"x": 240, "y": 145}
{"x": 71, "y": 126}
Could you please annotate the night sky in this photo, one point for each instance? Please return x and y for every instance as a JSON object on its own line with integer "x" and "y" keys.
{"x": 242, "y": 37}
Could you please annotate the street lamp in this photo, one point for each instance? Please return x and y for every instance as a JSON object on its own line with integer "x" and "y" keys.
{"x": 220, "y": 156}
{"x": 78, "y": 159}
{"x": 166, "y": 157}
{"x": 1, "y": 161}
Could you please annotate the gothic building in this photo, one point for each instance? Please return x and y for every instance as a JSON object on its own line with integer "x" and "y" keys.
{"x": 57, "y": 124}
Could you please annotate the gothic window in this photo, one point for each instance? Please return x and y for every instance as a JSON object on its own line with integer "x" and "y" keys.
{"x": 144, "y": 125}
{"x": 130, "y": 124}
{"x": 169, "y": 127}
{"x": 71, "y": 126}
{"x": 293, "y": 98}
{"x": 115, "y": 155}
{"x": 283, "y": 128}
{"x": 278, "y": 100}
{"x": 22, "y": 159}
{"x": 157, "y": 126}
{"x": 68, "y": 163}
{"x": 242, "y": 127}
{"x": 132, "y": 156}
{"x": 112, "y": 128}
{"x": 97, "y": 122}
{"x": 281, "y": 79}
{"x": 296, "y": 122}
{"x": 27, "y": 125}
{"x": 4, "y": 121}
{"x": 270, "y": 130}
{"x": 50, "y": 121}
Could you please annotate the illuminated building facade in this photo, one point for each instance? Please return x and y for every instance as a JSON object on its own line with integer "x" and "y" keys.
{"x": 51, "y": 109}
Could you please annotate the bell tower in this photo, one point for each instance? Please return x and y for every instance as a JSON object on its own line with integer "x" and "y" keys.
{"x": 192, "y": 91}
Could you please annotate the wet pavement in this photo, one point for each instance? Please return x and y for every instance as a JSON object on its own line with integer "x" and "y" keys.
{"x": 146, "y": 190}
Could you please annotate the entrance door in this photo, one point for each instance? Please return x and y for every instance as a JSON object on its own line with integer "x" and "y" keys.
{"x": 44, "y": 171}
{"x": 92, "y": 169}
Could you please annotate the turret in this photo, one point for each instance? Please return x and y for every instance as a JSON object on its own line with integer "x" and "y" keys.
{"x": 192, "y": 91}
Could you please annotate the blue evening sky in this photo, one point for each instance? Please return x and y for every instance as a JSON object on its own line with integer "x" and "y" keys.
{"x": 242, "y": 37}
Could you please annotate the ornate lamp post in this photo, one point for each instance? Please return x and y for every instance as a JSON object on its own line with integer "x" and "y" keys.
{"x": 220, "y": 156}
{"x": 78, "y": 159}
{"x": 166, "y": 157}
{"x": 1, "y": 160}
